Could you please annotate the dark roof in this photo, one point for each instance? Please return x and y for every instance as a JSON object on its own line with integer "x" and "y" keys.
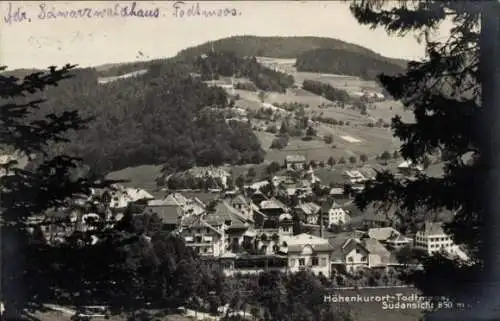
{"x": 315, "y": 247}
{"x": 205, "y": 197}
{"x": 225, "y": 212}
{"x": 329, "y": 204}
{"x": 375, "y": 247}
{"x": 344, "y": 245}
{"x": 169, "y": 214}
{"x": 57, "y": 215}
{"x": 238, "y": 199}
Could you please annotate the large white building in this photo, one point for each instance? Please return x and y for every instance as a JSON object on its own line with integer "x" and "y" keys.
{"x": 334, "y": 215}
{"x": 432, "y": 238}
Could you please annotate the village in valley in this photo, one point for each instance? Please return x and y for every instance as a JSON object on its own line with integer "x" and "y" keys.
{"x": 244, "y": 178}
{"x": 294, "y": 212}
{"x": 288, "y": 222}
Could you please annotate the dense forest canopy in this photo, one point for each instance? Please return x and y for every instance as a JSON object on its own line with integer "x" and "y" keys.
{"x": 326, "y": 90}
{"x": 158, "y": 118}
{"x": 346, "y": 62}
{"x": 228, "y": 64}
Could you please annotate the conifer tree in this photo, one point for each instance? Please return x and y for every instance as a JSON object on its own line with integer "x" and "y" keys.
{"x": 444, "y": 93}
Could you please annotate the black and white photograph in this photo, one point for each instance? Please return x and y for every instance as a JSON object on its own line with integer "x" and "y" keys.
{"x": 248, "y": 160}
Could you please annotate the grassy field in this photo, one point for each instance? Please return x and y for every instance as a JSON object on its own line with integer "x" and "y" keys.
{"x": 139, "y": 176}
{"x": 350, "y": 84}
{"x": 371, "y": 143}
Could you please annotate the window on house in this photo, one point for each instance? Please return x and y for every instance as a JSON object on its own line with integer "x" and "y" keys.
{"x": 286, "y": 228}
{"x": 198, "y": 239}
{"x": 227, "y": 222}
{"x": 350, "y": 259}
{"x": 302, "y": 262}
{"x": 205, "y": 250}
{"x": 363, "y": 259}
{"x": 314, "y": 261}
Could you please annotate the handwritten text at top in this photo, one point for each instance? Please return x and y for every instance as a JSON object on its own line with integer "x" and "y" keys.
{"x": 16, "y": 14}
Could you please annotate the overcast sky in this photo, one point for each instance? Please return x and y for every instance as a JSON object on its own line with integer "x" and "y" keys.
{"x": 90, "y": 42}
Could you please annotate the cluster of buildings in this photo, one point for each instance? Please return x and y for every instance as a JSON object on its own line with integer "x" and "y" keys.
{"x": 282, "y": 226}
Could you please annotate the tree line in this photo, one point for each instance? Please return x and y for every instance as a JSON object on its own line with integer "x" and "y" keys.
{"x": 227, "y": 64}
{"x": 326, "y": 90}
{"x": 346, "y": 62}
{"x": 163, "y": 117}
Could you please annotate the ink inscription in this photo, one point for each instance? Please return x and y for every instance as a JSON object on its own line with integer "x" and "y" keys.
{"x": 43, "y": 11}
{"x": 15, "y": 15}
{"x": 195, "y": 9}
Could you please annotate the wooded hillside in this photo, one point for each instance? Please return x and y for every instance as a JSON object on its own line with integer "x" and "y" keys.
{"x": 346, "y": 62}
{"x": 162, "y": 117}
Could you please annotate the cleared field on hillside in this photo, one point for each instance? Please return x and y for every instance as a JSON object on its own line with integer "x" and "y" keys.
{"x": 388, "y": 109}
{"x": 350, "y": 84}
{"x": 313, "y": 150}
{"x": 139, "y": 176}
{"x": 384, "y": 110}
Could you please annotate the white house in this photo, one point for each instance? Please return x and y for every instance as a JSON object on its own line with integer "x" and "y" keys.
{"x": 334, "y": 214}
{"x": 308, "y": 252}
{"x": 294, "y": 162}
{"x": 432, "y": 238}
{"x": 357, "y": 253}
{"x": 355, "y": 176}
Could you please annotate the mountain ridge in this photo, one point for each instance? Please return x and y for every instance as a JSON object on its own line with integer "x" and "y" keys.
{"x": 242, "y": 45}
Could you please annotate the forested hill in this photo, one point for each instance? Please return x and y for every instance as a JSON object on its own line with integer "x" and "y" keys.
{"x": 160, "y": 117}
{"x": 345, "y": 62}
{"x": 281, "y": 47}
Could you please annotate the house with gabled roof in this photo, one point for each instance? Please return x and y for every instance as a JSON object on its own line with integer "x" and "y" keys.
{"x": 176, "y": 199}
{"x": 308, "y": 212}
{"x": 432, "y": 238}
{"x": 355, "y": 253}
{"x": 273, "y": 207}
{"x": 234, "y": 223}
{"x": 242, "y": 204}
{"x": 334, "y": 214}
{"x": 308, "y": 252}
{"x": 295, "y": 162}
{"x": 170, "y": 213}
{"x": 204, "y": 238}
{"x": 389, "y": 236}
{"x": 137, "y": 194}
